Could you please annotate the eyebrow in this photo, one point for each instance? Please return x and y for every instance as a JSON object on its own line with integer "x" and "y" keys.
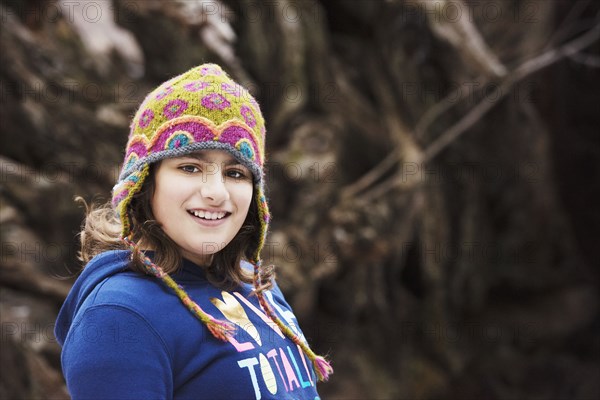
{"x": 202, "y": 157}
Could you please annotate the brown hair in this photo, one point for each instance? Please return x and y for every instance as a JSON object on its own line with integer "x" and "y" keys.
{"x": 101, "y": 231}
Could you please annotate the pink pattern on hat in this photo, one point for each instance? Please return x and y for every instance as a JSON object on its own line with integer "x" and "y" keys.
{"x": 248, "y": 116}
{"x": 215, "y": 101}
{"x": 146, "y": 118}
{"x": 175, "y": 108}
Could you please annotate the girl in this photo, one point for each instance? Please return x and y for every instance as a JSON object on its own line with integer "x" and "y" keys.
{"x": 173, "y": 302}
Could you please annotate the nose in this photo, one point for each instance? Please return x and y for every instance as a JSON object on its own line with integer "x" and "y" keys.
{"x": 213, "y": 186}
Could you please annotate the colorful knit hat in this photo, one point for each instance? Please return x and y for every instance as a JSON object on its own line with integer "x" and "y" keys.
{"x": 201, "y": 109}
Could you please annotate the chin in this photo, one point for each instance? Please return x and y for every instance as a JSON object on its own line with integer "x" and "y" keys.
{"x": 205, "y": 248}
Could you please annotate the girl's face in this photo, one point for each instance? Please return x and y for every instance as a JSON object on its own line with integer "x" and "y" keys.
{"x": 201, "y": 201}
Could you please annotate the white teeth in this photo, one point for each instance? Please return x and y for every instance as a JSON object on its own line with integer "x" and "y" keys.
{"x": 209, "y": 215}
{"x": 199, "y": 214}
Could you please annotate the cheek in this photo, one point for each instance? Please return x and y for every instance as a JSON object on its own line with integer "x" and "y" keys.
{"x": 246, "y": 199}
{"x": 163, "y": 199}
{"x": 156, "y": 206}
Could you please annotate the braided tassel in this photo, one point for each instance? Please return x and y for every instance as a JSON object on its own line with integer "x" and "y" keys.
{"x": 322, "y": 367}
{"x": 221, "y": 330}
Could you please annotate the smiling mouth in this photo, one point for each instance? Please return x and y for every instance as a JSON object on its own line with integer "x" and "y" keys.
{"x": 209, "y": 216}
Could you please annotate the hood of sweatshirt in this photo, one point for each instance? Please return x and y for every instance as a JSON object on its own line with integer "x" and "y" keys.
{"x": 96, "y": 271}
{"x": 110, "y": 263}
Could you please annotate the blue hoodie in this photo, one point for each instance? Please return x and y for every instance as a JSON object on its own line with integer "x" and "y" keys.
{"x": 127, "y": 336}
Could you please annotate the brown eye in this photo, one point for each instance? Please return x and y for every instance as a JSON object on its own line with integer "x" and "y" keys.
{"x": 190, "y": 169}
{"x": 236, "y": 174}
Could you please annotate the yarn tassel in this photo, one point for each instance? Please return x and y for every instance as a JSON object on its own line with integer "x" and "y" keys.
{"x": 222, "y": 330}
{"x": 322, "y": 368}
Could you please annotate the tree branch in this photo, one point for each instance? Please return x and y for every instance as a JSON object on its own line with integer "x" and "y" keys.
{"x": 464, "y": 36}
{"x": 589, "y": 60}
{"x": 442, "y": 106}
{"x": 475, "y": 114}
{"x": 527, "y": 68}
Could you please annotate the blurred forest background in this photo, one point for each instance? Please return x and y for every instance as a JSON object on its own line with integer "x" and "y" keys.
{"x": 434, "y": 176}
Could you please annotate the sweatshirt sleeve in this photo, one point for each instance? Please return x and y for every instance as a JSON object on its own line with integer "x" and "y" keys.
{"x": 114, "y": 353}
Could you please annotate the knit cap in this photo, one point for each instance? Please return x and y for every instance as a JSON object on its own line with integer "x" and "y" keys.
{"x": 201, "y": 109}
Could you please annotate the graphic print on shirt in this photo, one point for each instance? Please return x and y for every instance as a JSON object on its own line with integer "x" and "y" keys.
{"x": 281, "y": 368}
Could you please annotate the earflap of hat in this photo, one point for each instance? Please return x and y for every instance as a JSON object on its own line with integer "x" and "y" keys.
{"x": 124, "y": 191}
{"x": 264, "y": 218}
